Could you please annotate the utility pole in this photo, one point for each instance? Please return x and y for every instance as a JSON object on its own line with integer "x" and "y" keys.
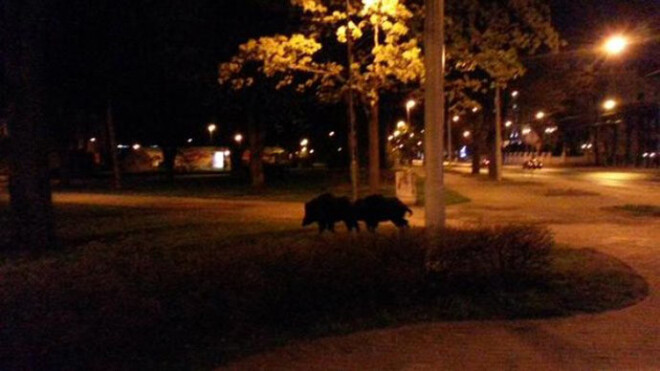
{"x": 434, "y": 43}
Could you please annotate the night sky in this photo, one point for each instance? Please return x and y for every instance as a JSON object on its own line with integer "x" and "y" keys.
{"x": 156, "y": 60}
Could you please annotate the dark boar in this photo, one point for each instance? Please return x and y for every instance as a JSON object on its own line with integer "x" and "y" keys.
{"x": 326, "y": 210}
{"x": 376, "y": 208}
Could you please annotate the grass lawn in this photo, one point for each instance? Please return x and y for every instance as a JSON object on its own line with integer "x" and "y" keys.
{"x": 293, "y": 185}
{"x": 638, "y": 210}
{"x": 172, "y": 288}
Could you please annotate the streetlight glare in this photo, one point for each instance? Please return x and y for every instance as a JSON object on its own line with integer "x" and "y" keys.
{"x": 401, "y": 124}
{"x": 304, "y": 142}
{"x": 411, "y": 104}
{"x": 609, "y": 104}
{"x": 456, "y": 118}
{"x": 331, "y": 134}
{"x": 211, "y": 128}
{"x": 397, "y": 133}
{"x": 508, "y": 123}
{"x": 616, "y": 44}
{"x": 475, "y": 109}
{"x": 515, "y": 93}
{"x": 540, "y": 115}
{"x": 238, "y": 138}
{"x": 466, "y": 134}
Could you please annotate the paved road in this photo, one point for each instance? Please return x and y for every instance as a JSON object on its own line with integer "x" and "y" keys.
{"x": 627, "y": 339}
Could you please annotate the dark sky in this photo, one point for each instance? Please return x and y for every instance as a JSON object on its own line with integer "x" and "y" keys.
{"x": 157, "y": 59}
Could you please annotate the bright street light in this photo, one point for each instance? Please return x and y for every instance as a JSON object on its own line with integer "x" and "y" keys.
{"x": 466, "y": 134}
{"x": 401, "y": 124}
{"x": 456, "y": 118}
{"x": 304, "y": 142}
{"x": 238, "y": 138}
{"x": 410, "y": 104}
{"x": 475, "y": 109}
{"x": 136, "y": 146}
{"x": 609, "y": 104}
{"x": 540, "y": 115}
{"x": 508, "y": 124}
{"x": 615, "y": 45}
{"x": 92, "y": 140}
{"x": 331, "y": 134}
{"x": 211, "y": 128}
{"x": 396, "y": 133}
{"x": 515, "y": 93}
{"x": 526, "y": 131}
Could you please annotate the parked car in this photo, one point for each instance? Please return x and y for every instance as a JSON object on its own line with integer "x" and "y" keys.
{"x": 533, "y": 164}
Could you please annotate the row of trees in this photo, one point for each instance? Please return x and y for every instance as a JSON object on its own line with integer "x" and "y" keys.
{"x": 486, "y": 42}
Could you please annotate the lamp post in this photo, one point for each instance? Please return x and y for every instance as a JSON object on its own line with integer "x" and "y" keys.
{"x": 211, "y": 128}
{"x": 409, "y": 106}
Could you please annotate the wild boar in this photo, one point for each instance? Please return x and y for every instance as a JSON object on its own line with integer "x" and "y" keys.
{"x": 326, "y": 210}
{"x": 376, "y": 208}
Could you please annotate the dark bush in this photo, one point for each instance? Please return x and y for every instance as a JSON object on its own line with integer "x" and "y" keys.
{"x": 501, "y": 256}
{"x": 112, "y": 306}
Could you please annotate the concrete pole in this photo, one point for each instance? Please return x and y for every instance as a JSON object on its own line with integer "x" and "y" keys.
{"x": 434, "y": 36}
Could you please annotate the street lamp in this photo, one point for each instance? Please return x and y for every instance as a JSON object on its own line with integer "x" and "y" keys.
{"x": 409, "y": 106}
{"x": 331, "y": 134}
{"x": 400, "y": 125}
{"x": 304, "y": 142}
{"x": 238, "y": 138}
{"x": 211, "y": 128}
{"x": 515, "y": 93}
{"x": 615, "y": 45}
{"x": 466, "y": 134}
{"x": 540, "y": 115}
{"x": 609, "y": 104}
{"x": 508, "y": 124}
{"x": 456, "y": 118}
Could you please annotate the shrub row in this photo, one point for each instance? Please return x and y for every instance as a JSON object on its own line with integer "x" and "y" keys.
{"x": 112, "y": 306}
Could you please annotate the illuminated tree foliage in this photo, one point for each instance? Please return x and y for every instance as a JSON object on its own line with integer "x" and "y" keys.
{"x": 486, "y": 44}
{"x": 386, "y": 55}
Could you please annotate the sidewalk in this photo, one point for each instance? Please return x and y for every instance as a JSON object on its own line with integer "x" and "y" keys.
{"x": 625, "y": 339}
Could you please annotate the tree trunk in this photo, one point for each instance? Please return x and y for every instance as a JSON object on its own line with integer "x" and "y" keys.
{"x": 352, "y": 129}
{"x": 256, "y": 137}
{"x": 29, "y": 184}
{"x": 496, "y": 153}
{"x": 169, "y": 161}
{"x": 434, "y": 112}
{"x": 374, "y": 150}
{"x": 112, "y": 140}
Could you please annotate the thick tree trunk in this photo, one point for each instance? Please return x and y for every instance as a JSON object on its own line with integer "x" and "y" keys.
{"x": 434, "y": 39}
{"x": 374, "y": 144}
{"x": 29, "y": 184}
